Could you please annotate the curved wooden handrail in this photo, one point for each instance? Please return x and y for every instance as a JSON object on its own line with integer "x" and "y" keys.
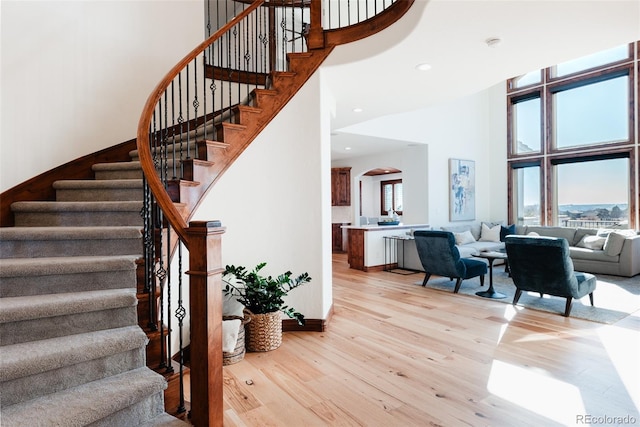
{"x": 169, "y": 210}
{"x": 369, "y": 27}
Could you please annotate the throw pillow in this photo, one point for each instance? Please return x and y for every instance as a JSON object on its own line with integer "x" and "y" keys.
{"x": 603, "y": 232}
{"x": 464, "y": 238}
{"x": 505, "y": 231}
{"x": 533, "y": 234}
{"x": 592, "y": 242}
{"x": 615, "y": 241}
{"x": 490, "y": 234}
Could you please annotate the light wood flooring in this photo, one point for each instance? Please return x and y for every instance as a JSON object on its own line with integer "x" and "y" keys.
{"x": 398, "y": 354}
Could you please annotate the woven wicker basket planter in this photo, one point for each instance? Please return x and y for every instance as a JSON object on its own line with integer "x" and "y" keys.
{"x": 264, "y": 332}
{"x": 229, "y": 358}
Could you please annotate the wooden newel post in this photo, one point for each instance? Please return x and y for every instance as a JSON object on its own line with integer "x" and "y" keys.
{"x": 205, "y": 301}
{"x": 315, "y": 39}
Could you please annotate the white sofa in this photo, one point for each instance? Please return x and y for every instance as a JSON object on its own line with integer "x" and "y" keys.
{"x": 615, "y": 252}
{"x": 589, "y": 249}
{"x": 408, "y": 254}
{"x": 481, "y": 241}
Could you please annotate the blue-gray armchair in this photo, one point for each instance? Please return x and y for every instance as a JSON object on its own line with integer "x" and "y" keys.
{"x": 542, "y": 264}
{"x": 440, "y": 256}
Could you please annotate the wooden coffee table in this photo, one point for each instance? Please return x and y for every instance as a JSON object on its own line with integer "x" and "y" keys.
{"x": 491, "y": 256}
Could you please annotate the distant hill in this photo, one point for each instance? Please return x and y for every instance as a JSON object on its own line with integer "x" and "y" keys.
{"x": 586, "y": 208}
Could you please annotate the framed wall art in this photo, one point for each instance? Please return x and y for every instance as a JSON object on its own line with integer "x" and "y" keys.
{"x": 462, "y": 190}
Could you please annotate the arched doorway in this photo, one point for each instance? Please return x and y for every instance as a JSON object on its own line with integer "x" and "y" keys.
{"x": 379, "y": 193}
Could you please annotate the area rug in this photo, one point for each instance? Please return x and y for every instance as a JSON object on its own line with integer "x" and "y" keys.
{"x": 615, "y": 297}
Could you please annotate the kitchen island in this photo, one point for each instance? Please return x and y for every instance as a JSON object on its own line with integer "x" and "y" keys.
{"x": 366, "y": 244}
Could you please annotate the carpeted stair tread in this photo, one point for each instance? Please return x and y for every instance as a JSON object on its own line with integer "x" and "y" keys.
{"x": 117, "y": 170}
{"x": 78, "y": 213}
{"x": 12, "y": 267}
{"x": 165, "y": 420}
{"x": 85, "y": 206}
{"x": 38, "y": 317}
{"x": 70, "y": 233}
{"x": 113, "y": 166}
{"x": 97, "y": 184}
{"x": 112, "y": 190}
{"x": 15, "y": 309}
{"x": 30, "y": 242}
{"x": 31, "y": 358}
{"x": 88, "y": 403}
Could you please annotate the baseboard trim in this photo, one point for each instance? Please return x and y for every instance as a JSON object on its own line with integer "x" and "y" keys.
{"x": 311, "y": 325}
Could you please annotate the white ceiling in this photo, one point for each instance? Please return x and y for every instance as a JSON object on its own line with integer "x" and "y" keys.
{"x": 378, "y": 73}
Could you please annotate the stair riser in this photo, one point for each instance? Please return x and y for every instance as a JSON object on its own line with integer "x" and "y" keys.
{"x": 172, "y": 395}
{"x": 78, "y": 219}
{"x": 84, "y": 247}
{"x": 58, "y": 283}
{"x": 107, "y": 175}
{"x": 202, "y": 153}
{"x": 156, "y": 355}
{"x": 102, "y": 195}
{"x": 58, "y": 326}
{"x": 30, "y": 387}
{"x": 141, "y": 411}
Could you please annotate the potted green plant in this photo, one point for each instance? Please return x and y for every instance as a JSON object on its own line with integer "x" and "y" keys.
{"x": 263, "y": 298}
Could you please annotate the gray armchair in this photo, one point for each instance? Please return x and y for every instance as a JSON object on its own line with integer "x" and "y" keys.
{"x": 542, "y": 264}
{"x": 439, "y": 255}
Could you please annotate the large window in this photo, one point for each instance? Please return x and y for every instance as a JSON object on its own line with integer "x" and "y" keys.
{"x": 526, "y": 194}
{"x": 572, "y": 148}
{"x": 526, "y": 119}
{"x": 593, "y": 113}
{"x": 595, "y": 60}
{"x": 592, "y": 193}
{"x": 391, "y": 196}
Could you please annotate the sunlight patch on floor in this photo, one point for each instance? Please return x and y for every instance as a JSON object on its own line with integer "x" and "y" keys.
{"x": 623, "y": 348}
{"x": 536, "y": 391}
{"x": 509, "y": 313}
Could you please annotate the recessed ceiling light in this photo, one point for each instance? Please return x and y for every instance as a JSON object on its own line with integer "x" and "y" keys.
{"x": 357, "y": 110}
{"x": 347, "y": 148}
{"x": 423, "y": 67}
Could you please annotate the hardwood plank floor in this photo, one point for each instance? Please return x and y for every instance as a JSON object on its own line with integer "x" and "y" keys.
{"x": 398, "y": 354}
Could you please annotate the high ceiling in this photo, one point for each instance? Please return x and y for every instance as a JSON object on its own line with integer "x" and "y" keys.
{"x": 378, "y": 74}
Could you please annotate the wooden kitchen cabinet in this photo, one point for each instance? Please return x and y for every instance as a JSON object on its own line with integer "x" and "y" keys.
{"x": 355, "y": 249}
{"x": 340, "y": 186}
{"x": 339, "y": 237}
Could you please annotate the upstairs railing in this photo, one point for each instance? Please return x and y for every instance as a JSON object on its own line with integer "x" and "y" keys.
{"x": 181, "y": 127}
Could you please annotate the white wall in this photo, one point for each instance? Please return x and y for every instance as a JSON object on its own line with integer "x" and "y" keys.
{"x": 76, "y": 74}
{"x": 275, "y": 201}
{"x": 472, "y": 128}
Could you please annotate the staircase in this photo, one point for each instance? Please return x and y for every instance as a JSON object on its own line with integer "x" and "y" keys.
{"x": 79, "y": 341}
{"x": 71, "y": 350}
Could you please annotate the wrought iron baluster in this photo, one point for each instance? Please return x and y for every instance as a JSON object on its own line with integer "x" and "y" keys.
{"x": 180, "y": 315}
{"x": 285, "y": 39}
{"x": 180, "y": 118}
{"x": 188, "y": 108}
{"x": 196, "y": 105}
{"x": 173, "y": 132}
{"x": 161, "y": 276}
{"x": 167, "y": 353}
